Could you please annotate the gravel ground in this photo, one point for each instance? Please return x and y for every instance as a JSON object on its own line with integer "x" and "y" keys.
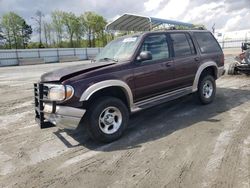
{"x": 178, "y": 144}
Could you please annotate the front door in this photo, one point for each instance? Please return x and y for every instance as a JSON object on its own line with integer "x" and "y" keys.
{"x": 154, "y": 76}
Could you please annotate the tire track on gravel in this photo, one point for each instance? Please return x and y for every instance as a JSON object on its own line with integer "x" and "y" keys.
{"x": 225, "y": 144}
{"x": 244, "y": 164}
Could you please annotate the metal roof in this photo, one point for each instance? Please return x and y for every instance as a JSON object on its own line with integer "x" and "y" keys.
{"x": 132, "y": 22}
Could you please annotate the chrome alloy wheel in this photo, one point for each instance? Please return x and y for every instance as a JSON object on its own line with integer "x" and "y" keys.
{"x": 110, "y": 120}
{"x": 208, "y": 89}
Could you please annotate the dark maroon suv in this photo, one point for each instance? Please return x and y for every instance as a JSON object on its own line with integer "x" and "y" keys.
{"x": 130, "y": 74}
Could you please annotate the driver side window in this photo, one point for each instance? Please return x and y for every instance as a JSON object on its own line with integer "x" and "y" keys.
{"x": 157, "y": 45}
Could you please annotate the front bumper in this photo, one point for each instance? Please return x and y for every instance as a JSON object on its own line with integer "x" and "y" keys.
{"x": 64, "y": 117}
{"x": 49, "y": 114}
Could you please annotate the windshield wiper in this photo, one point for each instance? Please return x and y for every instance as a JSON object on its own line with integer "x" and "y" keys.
{"x": 109, "y": 59}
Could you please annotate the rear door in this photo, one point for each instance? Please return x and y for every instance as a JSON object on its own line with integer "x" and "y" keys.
{"x": 186, "y": 59}
{"x": 209, "y": 48}
{"x": 154, "y": 76}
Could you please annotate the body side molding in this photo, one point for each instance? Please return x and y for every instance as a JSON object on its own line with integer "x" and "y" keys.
{"x": 105, "y": 84}
{"x": 199, "y": 71}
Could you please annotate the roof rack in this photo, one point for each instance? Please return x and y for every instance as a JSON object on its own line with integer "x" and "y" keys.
{"x": 132, "y": 22}
{"x": 174, "y": 28}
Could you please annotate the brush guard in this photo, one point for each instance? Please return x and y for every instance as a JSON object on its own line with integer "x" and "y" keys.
{"x": 39, "y": 106}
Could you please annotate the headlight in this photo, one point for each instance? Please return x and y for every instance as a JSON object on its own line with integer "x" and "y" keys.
{"x": 60, "y": 92}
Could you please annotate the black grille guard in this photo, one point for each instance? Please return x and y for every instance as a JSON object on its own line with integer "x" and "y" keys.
{"x": 39, "y": 106}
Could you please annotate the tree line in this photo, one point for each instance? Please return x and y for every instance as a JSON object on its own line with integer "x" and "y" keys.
{"x": 65, "y": 29}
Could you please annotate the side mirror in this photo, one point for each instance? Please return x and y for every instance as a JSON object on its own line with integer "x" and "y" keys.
{"x": 144, "y": 56}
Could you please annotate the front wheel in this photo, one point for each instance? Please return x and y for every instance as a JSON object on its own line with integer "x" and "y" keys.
{"x": 107, "y": 119}
{"x": 206, "y": 89}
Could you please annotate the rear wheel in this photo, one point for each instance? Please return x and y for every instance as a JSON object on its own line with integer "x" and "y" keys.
{"x": 206, "y": 89}
{"x": 107, "y": 119}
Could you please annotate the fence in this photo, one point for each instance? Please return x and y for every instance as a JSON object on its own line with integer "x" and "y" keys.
{"x": 233, "y": 43}
{"x": 48, "y": 55}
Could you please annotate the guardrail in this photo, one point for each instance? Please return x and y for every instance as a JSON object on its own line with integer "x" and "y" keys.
{"x": 46, "y": 55}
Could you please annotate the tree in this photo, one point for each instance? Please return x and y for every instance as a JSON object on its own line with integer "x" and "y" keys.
{"x": 71, "y": 23}
{"x": 99, "y": 29}
{"x": 47, "y": 28}
{"x": 87, "y": 20}
{"x": 57, "y": 23}
{"x": 26, "y": 33}
{"x": 1, "y": 38}
{"x": 1, "y": 33}
{"x": 65, "y": 30}
{"x": 79, "y": 32}
{"x": 38, "y": 18}
{"x": 15, "y": 30}
{"x": 94, "y": 25}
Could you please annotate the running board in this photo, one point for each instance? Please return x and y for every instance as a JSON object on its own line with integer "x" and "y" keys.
{"x": 147, "y": 103}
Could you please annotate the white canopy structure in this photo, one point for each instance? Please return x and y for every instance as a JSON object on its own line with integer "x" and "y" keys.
{"x": 132, "y": 22}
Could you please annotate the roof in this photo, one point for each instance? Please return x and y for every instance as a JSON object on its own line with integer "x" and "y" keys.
{"x": 132, "y": 22}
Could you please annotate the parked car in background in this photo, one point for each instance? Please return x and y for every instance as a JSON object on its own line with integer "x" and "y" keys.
{"x": 241, "y": 65}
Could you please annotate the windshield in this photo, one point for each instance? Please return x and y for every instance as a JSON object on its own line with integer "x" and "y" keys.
{"x": 119, "y": 49}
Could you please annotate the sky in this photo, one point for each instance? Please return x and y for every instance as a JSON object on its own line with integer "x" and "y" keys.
{"x": 227, "y": 15}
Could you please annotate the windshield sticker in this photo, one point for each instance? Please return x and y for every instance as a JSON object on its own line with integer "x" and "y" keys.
{"x": 131, "y": 39}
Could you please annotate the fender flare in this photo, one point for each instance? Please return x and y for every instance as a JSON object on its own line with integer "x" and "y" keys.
{"x": 202, "y": 67}
{"x": 105, "y": 84}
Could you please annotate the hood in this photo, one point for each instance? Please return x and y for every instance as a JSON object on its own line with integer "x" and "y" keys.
{"x": 68, "y": 72}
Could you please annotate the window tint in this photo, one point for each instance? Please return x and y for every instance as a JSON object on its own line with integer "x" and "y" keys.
{"x": 157, "y": 45}
{"x": 181, "y": 45}
{"x": 206, "y": 42}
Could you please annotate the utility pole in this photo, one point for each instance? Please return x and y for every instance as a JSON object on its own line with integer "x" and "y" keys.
{"x": 213, "y": 28}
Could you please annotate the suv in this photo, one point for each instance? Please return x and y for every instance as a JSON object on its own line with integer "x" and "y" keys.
{"x": 130, "y": 74}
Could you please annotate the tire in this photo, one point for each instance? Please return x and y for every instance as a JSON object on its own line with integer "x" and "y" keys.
{"x": 231, "y": 69}
{"x": 206, "y": 89}
{"x": 107, "y": 119}
{"x": 247, "y": 57}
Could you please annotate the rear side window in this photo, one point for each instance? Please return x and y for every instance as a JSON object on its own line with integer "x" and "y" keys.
{"x": 183, "y": 45}
{"x": 207, "y": 43}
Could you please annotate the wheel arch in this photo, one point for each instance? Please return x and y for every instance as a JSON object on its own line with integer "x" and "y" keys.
{"x": 108, "y": 84}
{"x": 207, "y": 66}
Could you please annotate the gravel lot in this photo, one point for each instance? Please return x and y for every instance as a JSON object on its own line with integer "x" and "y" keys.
{"x": 178, "y": 144}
